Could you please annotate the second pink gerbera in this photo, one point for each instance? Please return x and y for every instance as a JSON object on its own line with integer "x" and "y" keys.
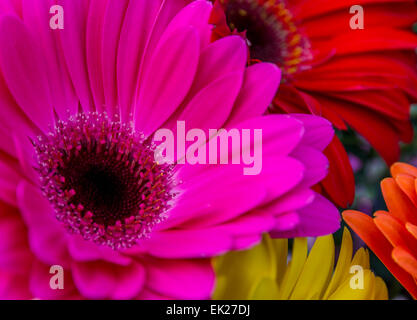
{"x": 79, "y": 185}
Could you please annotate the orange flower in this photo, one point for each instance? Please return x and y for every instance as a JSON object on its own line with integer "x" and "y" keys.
{"x": 392, "y": 234}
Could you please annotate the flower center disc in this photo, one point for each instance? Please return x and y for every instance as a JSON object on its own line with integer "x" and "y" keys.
{"x": 102, "y": 180}
{"x": 271, "y": 32}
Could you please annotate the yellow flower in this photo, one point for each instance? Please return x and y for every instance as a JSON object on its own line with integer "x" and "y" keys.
{"x": 263, "y": 272}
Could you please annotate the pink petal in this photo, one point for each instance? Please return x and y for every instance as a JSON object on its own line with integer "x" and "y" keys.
{"x": 194, "y": 243}
{"x": 47, "y": 238}
{"x": 174, "y": 62}
{"x": 297, "y": 198}
{"x": 211, "y": 107}
{"x": 9, "y": 179}
{"x": 314, "y": 161}
{"x": 280, "y": 133}
{"x": 112, "y": 26}
{"x": 227, "y": 56}
{"x": 26, "y": 155}
{"x": 40, "y": 278}
{"x": 9, "y": 7}
{"x": 244, "y": 231}
{"x": 99, "y": 280}
{"x": 259, "y": 88}
{"x": 147, "y": 294}
{"x": 196, "y": 14}
{"x": 73, "y": 42}
{"x": 181, "y": 279}
{"x": 223, "y": 194}
{"x": 280, "y": 136}
{"x": 255, "y": 222}
{"x": 137, "y": 28}
{"x": 64, "y": 101}
{"x": 286, "y": 221}
{"x": 15, "y": 255}
{"x": 12, "y": 118}
{"x": 94, "y": 40}
{"x": 167, "y": 11}
{"x": 6, "y": 143}
{"x": 24, "y": 72}
{"x": 246, "y": 242}
{"x": 318, "y": 131}
{"x": 84, "y": 251}
{"x": 319, "y": 218}
{"x": 14, "y": 286}
{"x": 224, "y": 205}
{"x": 224, "y": 56}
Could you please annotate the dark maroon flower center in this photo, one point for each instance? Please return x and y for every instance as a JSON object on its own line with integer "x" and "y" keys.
{"x": 271, "y": 32}
{"x": 102, "y": 179}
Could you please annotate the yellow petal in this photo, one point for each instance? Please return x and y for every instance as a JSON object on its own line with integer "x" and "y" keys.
{"x": 361, "y": 258}
{"x": 281, "y": 253}
{"x": 294, "y": 268}
{"x": 267, "y": 289}
{"x": 317, "y": 270}
{"x": 221, "y": 290}
{"x": 342, "y": 268}
{"x": 381, "y": 290}
{"x": 239, "y": 271}
{"x": 347, "y": 291}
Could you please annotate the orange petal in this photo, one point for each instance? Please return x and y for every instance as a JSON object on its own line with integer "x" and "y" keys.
{"x": 412, "y": 229}
{"x": 403, "y": 168}
{"x": 406, "y": 260}
{"x": 407, "y": 185}
{"x": 364, "y": 226}
{"x": 397, "y": 202}
{"x": 395, "y": 232}
{"x": 379, "y": 212}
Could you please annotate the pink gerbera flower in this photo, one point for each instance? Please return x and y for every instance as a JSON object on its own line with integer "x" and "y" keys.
{"x": 79, "y": 184}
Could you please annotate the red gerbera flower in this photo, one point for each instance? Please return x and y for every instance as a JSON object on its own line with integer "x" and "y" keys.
{"x": 364, "y": 78}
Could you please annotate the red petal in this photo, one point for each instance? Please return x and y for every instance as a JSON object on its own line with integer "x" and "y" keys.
{"x": 375, "y": 39}
{"x": 305, "y": 9}
{"x": 398, "y": 15}
{"x": 340, "y": 182}
{"x": 370, "y": 124}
